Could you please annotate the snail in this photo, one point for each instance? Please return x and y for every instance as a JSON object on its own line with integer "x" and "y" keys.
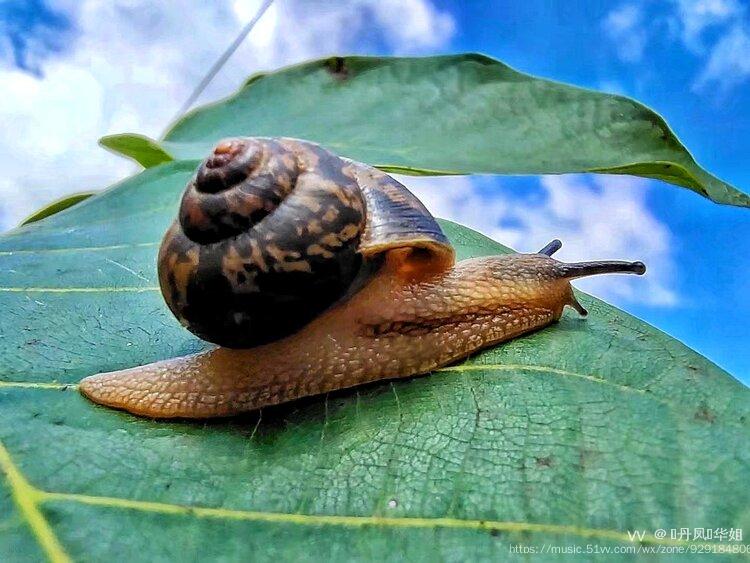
{"x": 312, "y": 273}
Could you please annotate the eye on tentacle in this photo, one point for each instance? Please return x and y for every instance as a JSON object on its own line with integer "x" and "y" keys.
{"x": 589, "y": 268}
{"x": 552, "y": 247}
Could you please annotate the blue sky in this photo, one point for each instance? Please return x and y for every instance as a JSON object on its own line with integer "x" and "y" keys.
{"x": 75, "y": 70}
{"x": 572, "y": 42}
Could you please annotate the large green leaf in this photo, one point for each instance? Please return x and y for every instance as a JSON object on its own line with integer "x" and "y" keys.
{"x": 570, "y": 437}
{"x": 456, "y": 114}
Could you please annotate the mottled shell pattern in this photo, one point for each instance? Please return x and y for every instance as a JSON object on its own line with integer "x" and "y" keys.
{"x": 273, "y": 231}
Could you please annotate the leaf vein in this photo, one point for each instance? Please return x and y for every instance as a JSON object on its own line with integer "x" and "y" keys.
{"x": 27, "y": 498}
{"x": 120, "y": 289}
{"x": 352, "y": 521}
{"x": 77, "y": 248}
{"x": 543, "y": 369}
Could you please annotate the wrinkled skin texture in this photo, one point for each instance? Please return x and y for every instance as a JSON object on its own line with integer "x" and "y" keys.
{"x": 394, "y": 327}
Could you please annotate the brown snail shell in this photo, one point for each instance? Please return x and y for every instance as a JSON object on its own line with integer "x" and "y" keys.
{"x": 271, "y": 232}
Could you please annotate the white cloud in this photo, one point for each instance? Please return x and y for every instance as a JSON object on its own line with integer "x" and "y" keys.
{"x": 604, "y": 217}
{"x": 427, "y": 26}
{"x": 697, "y": 16}
{"x": 613, "y": 87}
{"x": 626, "y": 29}
{"x": 716, "y": 31}
{"x": 729, "y": 62}
{"x": 133, "y": 63}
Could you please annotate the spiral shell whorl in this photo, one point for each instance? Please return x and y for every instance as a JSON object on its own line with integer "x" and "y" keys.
{"x": 266, "y": 239}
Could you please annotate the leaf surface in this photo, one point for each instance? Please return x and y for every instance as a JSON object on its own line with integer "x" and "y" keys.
{"x": 571, "y": 436}
{"x": 456, "y": 114}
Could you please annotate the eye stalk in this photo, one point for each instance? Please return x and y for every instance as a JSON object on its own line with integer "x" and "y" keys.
{"x": 551, "y": 247}
{"x": 593, "y": 268}
{"x": 230, "y": 163}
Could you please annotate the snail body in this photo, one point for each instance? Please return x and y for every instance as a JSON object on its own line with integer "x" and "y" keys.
{"x": 315, "y": 273}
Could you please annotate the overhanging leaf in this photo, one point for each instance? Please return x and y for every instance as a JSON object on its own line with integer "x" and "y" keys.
{"x": 140, "y": 148}
{"x": 456, "y": 114}
{"x": 56, "y": 206}
{"x": 572, "y": 436}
